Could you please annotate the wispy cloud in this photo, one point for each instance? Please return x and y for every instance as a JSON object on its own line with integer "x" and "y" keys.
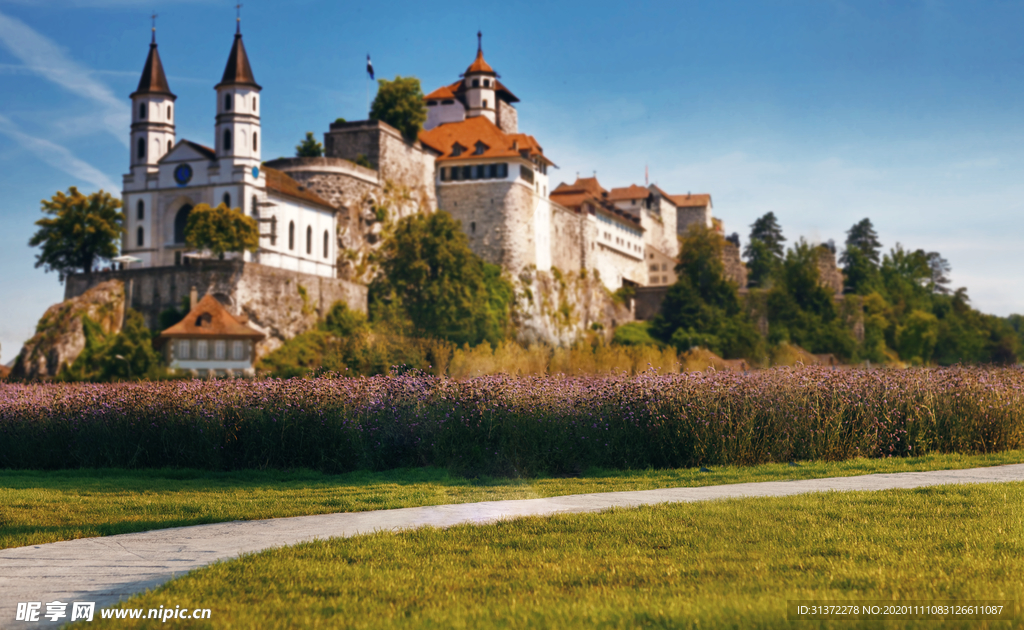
{"x": 45, "y": 58}
{"x": 57, "y": 156}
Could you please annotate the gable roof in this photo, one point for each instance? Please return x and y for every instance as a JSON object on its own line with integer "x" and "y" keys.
{"x": 153, "y": 80}
{"x": 187, "y": 150}
{"x": 210, "y": 319}
{"x": 468, "y": 132}
{"x": 440, "y": 93}
{"x": 587, "y": 191}
{"x": 631, "y": 192}
{"x": 282, "y": 183}
{"x": 690, "y": 201}
{"x": 238, "y": 71}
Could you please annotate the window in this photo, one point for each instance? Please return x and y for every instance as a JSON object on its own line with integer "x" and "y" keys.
{"x": 227, "y": 101}
{"x": 291, "y": 235}
{"x": 139, "y": 237}
{"x": 472, "y": 227}
{"x": 141, "y": 148}
{"x": 664, "y": 266}
{"x": 227, "y": 199}
{"x": 140, "y": 210}
{"x": 255, "y": 144}
{"x": 492, "y": 171}
{"x": 142, "y": 111}
{"x": 467, "y": 172}
{"x": 237, "y": 350}
{"x": 503, "y": 170}
{"x": 183, "y": 349}
{"x": 180, "y": 220}
{"x": 431, "y": 103}
{"x": 487, "y": 83}
{"x": 327, "y": 243}
{"x": 457, "y": 149}
{"x": 485, "y": 103}
{"x": 168, "y": 112}
{"x": 202, "y": 350}
{"x": 170, "y": 145}
{"x": 227, "y": 139}
{"x": 255, "y": 210}
{"x": 309, "y": 240}
{"x": 254, "y": 103}
{"x": 448, "y": 102}
{"x": 526, "y": 173}
{"x": 220, "y": 349}
{"x": 479, "y": 148}
{"x": 273, "y": 231}
{"x": 476, "y": 82}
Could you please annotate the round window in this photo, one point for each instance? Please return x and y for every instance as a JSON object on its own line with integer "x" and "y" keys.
{"x": 183, "y": 174}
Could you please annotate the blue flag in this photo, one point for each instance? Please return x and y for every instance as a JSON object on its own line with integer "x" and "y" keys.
{"x": 369, "y": 66}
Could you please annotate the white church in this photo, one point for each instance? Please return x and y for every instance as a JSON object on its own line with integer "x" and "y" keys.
{"x": 169, "y": 177}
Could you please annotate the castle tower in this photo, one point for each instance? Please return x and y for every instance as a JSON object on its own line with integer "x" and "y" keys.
{"x": 238, "y": 112}
{"x": 480, "y": 82}
{"x": 152, "y": 116}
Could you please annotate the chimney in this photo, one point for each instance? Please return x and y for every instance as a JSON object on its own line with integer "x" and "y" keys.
{"x": 193, "y": 297}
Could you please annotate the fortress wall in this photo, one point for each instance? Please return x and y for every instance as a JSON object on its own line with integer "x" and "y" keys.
{"x": 735, "y": 270}
{"x": 497, "y": 217}
{"x": 508, "y": 117}
{"x": 829, "y": 274}
{"x": 685, "y": 217}
{"x": 268, "y": 296}
{"x": 568, "y": 239}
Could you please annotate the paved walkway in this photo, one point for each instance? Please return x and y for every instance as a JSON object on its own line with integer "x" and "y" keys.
{"x": 107, "y": 569}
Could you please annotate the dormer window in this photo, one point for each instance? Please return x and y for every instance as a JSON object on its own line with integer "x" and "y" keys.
{"x": 479, "y": 148}
{"x": 457, "y": 149}
{"x": 204, "y": 320}
{"x": 476, "y": 82}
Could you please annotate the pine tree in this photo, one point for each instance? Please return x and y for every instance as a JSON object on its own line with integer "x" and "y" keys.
{"x": 764, "y": 251}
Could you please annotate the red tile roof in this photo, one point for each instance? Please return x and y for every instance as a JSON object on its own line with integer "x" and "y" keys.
{"x": 468, "y": 132}
{"x": 440, "y": 93}
{"x": 587, "y": 189}
{"x": 632, "y": 192}
{"x": 479, "y": 66}
{"x": 210, "y": 319}
{"x": 690, "y": 201}
{"x": 283, "y": 184}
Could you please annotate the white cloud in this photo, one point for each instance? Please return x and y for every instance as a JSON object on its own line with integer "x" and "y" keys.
{"x": 58, "y": 157}
{"x": 45, "y": 58}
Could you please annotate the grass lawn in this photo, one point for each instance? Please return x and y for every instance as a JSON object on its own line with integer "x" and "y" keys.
{"x": 718, "y": 564}
{"x": 39, "y": 507}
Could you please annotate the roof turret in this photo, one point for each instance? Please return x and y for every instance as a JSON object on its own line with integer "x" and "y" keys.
{"x": 153, "y": 80}
{"x": 238, "y": 71}
{"x": 479, "y": 66}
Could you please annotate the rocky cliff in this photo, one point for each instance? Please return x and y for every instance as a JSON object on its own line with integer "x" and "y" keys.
{"x": 559, "y": 308}
{"x": 60, "y": 336}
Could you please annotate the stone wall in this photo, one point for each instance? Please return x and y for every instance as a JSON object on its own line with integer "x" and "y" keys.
{"x": 829, "y": 274}
{"x": 497, "y": 216}
{"x": 685, "y": 217}
{"x": 647, "y": 301}
{"x": 735, "y": 270}
{"x": 508, "y": 117}
{"x": 280, "y": 303}
{"x": 568, "y": 240}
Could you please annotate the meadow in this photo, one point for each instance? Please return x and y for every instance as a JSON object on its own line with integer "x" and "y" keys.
{"x": 513, "y": 426}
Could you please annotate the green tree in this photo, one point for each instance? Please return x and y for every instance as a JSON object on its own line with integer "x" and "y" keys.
{"x": 446, "y": 291}
{"x": 126, "y": 355}
{"x": 764, "y": 251}
{"x": 221, "y": 230}
{"x": 79, "y": 232}
{"x": 309, "y": 147}
{"x": 400, "y": 104}
{"x": 860, "y": 259}
{"x": 702, "y": 308}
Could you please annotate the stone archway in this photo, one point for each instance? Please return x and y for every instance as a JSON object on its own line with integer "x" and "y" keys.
{"x": 180, "y": 220}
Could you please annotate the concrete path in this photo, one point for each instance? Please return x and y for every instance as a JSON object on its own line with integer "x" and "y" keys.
{"x": 107, "y": 569}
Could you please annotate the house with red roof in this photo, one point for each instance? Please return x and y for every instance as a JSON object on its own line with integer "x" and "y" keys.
{"x": 210, "y": 342}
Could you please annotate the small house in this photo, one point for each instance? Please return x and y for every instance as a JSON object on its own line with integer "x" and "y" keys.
{"x": 211, "y": 341}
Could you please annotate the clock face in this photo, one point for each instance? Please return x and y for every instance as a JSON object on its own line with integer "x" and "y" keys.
{"x": 255, "y": 172}
{"x": 183, "y": 174}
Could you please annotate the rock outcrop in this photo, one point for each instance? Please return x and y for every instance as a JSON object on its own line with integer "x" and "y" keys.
{"x": 558, "y": 308}
{"x": 60, "y": 335}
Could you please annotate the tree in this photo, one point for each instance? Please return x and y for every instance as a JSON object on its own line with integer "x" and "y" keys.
{"x": 447, "y": 291}
{"x": 221, "y": 230}
{"x": 863, "y": 236}
{"x": 764, "y": 250}
{"x": 860, "y": 259}
{"x": 80, "y": 231}
{"x": 309, "y": 147}
{"x": 400, "y": 104}
{"x": 125, "y": 356}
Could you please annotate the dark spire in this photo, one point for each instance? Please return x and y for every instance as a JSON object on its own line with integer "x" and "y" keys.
{"x": 238, "y": 71}
{"x": 153, "y": 80}
{"x": 479, "y": 42}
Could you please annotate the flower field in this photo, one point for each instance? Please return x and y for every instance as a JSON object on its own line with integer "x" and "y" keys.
{"x": 502, "y": 425}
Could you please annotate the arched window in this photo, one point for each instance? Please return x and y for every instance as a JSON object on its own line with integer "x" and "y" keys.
{"x": 180, "y": 220}
{"x": 142, "y": 111}
{"x": 227, "y": 139}
{"x": 139, "y": 237}
{"x": 227, "y": 200}
{"x": 168, "y": 112}
{"x": 291, "y": 235}
{"x": 170, "y": 145}
{"x": 141, "y": 148}
{"x": 140, "y": 210}
{"x": 227, "y": 101}
{"x": 255, "y": 145}
{"x": 327, "y": 242}
{"x": 255, "y": 208}
{"x": 254, "y": 103}
{"x": 309, "y": 240}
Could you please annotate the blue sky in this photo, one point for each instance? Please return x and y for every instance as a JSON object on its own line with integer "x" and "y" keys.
{"x": 822, "y": 111}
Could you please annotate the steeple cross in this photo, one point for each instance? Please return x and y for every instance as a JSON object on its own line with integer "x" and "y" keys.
{"x": 238, "y": 18}
{"x": 153, "y": 17}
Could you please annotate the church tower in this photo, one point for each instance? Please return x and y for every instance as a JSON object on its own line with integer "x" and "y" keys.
{"x": 152, "y": 116}
{"x": 238, "y": 111}
{"x": 479, "y": 82}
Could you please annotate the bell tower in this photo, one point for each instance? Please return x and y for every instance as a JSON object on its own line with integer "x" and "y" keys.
{"x": 479, "y": 81}
{"x": 238, "y": 138}
{"x": 152, "y": 115}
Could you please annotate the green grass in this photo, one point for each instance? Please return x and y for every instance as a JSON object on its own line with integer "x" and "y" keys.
{"x": 38, "y": 507}
{"x": 716, "y": 564}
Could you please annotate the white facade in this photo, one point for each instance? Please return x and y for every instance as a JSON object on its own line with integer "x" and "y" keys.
{"x": 445, "y": 110}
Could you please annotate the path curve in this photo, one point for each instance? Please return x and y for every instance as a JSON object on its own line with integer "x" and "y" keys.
{"x": 107, "y": 569}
